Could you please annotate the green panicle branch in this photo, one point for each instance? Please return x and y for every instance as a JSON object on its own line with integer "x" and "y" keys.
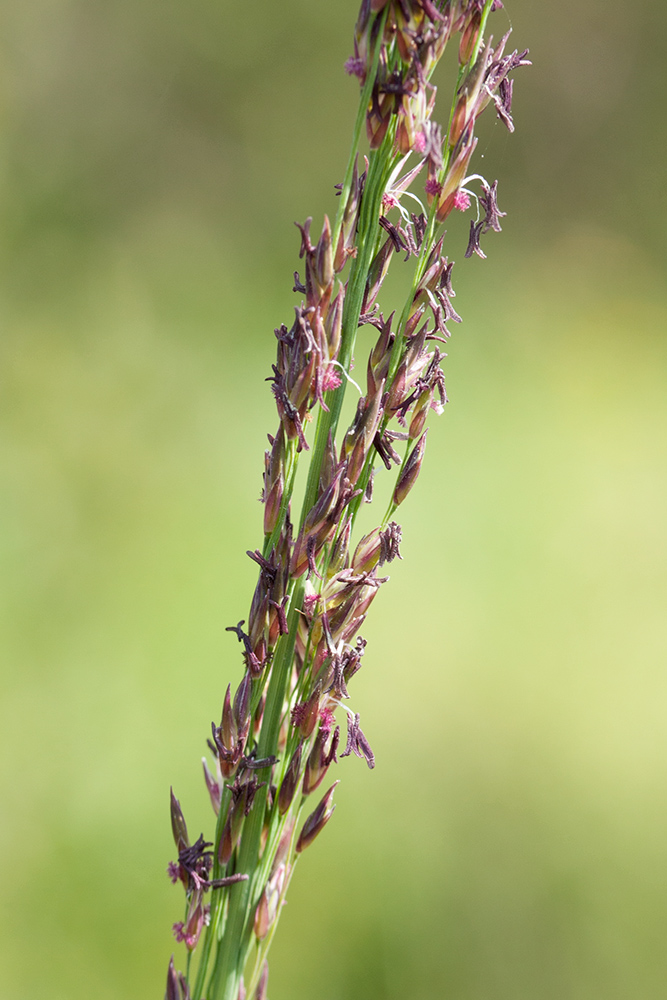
{"x": 287, "y": 726}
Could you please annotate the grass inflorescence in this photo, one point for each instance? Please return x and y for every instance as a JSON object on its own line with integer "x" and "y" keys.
{"x": 288, "y": 724}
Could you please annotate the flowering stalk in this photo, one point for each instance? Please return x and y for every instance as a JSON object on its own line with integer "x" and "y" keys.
{"x": 279, "y": 735}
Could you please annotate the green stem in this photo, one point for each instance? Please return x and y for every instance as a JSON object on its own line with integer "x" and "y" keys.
{"x": 263, "y": 950}
{"x": 482, "y": 28}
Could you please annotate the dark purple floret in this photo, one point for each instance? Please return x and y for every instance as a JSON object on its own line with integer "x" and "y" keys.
{"x": 393, "y": 232}
{"x": 357, "y": 742}
{"x": 251, "y": 660}
{"x": 488, "y": 199}
{"x": 473, "y": 241}
{"x": 280, "y": 612}
{"x": 298, "y": 285}
{"x": 503, "y": 102}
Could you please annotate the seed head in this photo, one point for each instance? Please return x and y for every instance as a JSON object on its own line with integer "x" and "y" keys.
{"x": 262, "y": 985}
{"x": 178, "y": 826}
{"x": 177, "y": 987}
{"x": 317, "y": 820}
{"x": 320, "y": 758}
{"x": 408, "y": 477}
{"x": 290, "y": 781}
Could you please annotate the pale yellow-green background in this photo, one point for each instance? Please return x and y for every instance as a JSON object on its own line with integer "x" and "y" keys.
{"x": 511, "y": 844}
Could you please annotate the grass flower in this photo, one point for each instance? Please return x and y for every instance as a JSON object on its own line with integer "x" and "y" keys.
{"x": 279, "y": 735}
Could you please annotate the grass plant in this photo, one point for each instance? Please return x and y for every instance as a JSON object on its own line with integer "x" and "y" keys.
{"x": 283, "y": 731}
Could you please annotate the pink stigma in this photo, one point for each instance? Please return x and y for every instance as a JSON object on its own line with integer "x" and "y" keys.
{"x": 310, "y": 604}
{"x": 461, "y": 201}
{"x": 330, "y": 379}
{"x": 355, "y": 67}
{"x": 419, "y": 144}
{"x": 327, "y": 719}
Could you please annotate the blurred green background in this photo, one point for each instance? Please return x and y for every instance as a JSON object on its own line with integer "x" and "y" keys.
{"x": 511, "y": 843}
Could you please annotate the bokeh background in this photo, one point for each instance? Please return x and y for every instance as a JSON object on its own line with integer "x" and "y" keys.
{"x": 511, "y": 843}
